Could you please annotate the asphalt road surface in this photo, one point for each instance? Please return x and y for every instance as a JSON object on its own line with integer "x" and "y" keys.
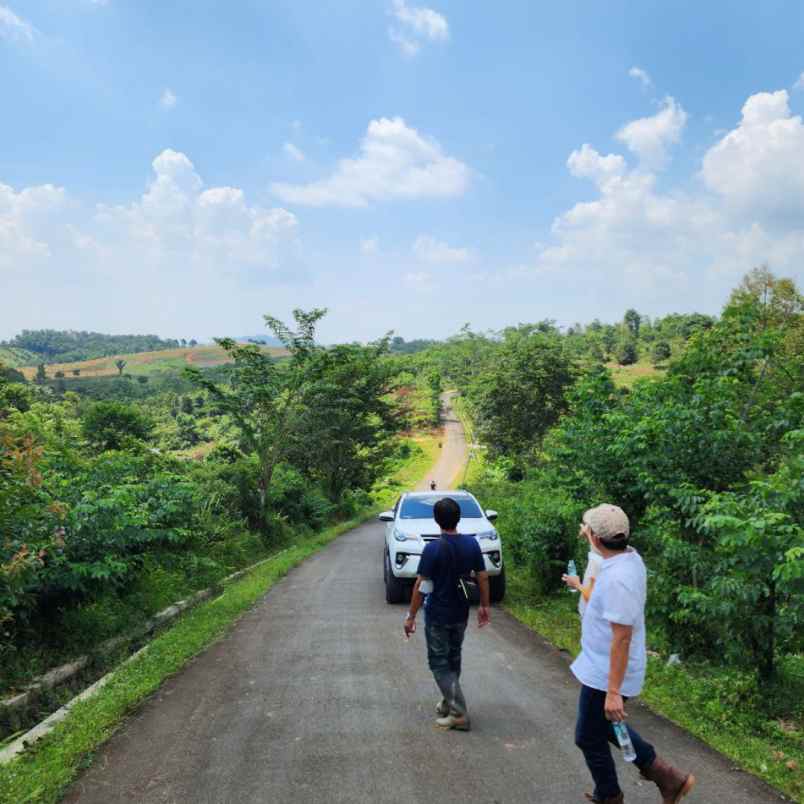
{"x": 315, "y": 696}
{"x": 454, "y": 451}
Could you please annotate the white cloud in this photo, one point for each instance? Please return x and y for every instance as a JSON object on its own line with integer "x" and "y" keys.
{"x": 293, "y": 152}
{"x": 177, "y": 220}
{"x": 414, "y": 25}
{"x": 168, "y": 98}
{"x": 175, "y": 226}
{"x": 395, "y": 162}
{"x": 588, "y": 163}
{"x": 24, "y": 224}
{"x": 799, "y": 82}
{"x": 634, "y": 245}
{"x": 758, "y": 168}
{"x": 642, "y": 76}
{"x": 428, "y": 249}
{"x": 370, "y": 246}
{"x": 14, "y": 27}
{"x": 649, "y": 137}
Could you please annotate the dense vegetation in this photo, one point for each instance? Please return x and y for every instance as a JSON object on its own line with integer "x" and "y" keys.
{"x": 67, "y": 346}
{"x": 116, "y": 505}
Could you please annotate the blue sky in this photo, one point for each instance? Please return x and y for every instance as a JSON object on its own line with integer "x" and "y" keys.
{"x": 184, "y": 167}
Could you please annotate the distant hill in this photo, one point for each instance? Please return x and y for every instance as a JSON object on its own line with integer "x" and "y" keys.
{"x": 67, "y": 346}
{"x": 143, "y": 363}
{"x": 13, "y": 356}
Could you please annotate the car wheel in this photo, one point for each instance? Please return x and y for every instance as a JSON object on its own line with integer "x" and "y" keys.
{"x": 394, "y": 588}
{"x": 497, "y": 586}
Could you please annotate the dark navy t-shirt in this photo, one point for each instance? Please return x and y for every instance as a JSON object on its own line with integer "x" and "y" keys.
{"x": 446, "y": 604}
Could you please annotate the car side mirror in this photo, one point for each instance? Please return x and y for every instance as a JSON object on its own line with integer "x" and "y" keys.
{"x": 491, "y": 515}
{"x": 386, "y": 516}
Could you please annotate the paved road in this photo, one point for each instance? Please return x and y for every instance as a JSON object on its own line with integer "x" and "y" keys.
{"x": 315, "y": 696}
{"x": 452, "y": 458}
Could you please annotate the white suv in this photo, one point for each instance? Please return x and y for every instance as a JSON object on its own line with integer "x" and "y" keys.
{"x": 411, "y": 526}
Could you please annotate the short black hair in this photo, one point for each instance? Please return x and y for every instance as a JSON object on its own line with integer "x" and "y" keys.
{"x": 447, "y": 513}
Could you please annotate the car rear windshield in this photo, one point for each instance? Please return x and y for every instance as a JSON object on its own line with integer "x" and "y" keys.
{"x": 422, "y": 507}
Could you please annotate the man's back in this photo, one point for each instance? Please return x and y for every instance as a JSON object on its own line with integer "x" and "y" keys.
{"x": 443, "y": 562}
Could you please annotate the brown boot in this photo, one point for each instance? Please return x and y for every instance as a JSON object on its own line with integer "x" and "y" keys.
{"x": 673, "y": 784}
{"x": 618, "y": 799}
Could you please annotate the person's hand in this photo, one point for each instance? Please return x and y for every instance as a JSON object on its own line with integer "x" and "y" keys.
{"x": 483, "y": 616}
{"x": 572, "y": 581}
{"x": 614, "y": 707}
{"x": 409, "y": 626}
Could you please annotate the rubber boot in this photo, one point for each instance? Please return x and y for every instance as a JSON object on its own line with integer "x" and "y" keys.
{"x": 673, "y": 784}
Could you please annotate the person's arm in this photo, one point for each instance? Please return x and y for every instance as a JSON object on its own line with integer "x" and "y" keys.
{"x": 416, "y": 598}
{"x": 483, "y": 614}
{"x": 618, "y": 663}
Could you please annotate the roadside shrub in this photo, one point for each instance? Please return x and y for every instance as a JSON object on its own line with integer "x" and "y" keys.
{"x": 539, "y": 527}
{"x": 298, "y": 499}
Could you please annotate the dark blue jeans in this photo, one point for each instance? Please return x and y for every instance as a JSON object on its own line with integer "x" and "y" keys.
{"x": 593, "y": 733}
{"x": 444, "y": 643}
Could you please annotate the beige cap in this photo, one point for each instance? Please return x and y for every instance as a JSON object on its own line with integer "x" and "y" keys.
{"x": 608, "y": 522}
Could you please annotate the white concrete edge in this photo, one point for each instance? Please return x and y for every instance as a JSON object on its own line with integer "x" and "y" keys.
{"x": 60, "y": 674}
{"x": 49, "y": 723}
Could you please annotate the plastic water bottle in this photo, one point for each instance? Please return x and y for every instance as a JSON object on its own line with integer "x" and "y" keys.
{"x": 572, "y": 570}
{"x": 624, "y": 739}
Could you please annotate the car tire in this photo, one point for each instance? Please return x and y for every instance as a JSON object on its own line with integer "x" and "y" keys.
{"x": 394, "y": 588}
{"x": 497, "y": 587}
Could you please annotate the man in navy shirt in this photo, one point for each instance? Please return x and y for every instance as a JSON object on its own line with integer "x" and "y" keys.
{"x": 446, "y": 610}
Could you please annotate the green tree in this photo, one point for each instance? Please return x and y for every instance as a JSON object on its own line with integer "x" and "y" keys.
{"x": 113, "y": 425}
{"x": 522, "y": 393}
{"x": 121, "y": 364}
{"x": 661, "y": 352}
{"x": 632, "y": 320}
{"x": 343, "y": 429}
{"x": 755, "y": 585}
{"x": 41, "y": 374}
{"x": 76, "y": 372}
{"x": 264, "y": 397}
{"x": 627, "y": 354}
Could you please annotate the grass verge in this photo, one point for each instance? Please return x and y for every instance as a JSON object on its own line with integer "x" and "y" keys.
{"x": 721, "y": 706}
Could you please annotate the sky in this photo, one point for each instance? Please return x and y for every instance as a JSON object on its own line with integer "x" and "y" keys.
{"x": 183, "y": 168}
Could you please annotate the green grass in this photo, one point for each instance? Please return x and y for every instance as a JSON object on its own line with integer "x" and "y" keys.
{"x": 424, "y": 453}
{"x": 721, "y": 706}
{"x": 626, "y": 376}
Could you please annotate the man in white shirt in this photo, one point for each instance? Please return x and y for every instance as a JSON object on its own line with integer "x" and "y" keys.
{"x": 612, "y": 661}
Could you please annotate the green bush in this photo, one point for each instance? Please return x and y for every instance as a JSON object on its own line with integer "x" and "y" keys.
{"x": 113, "y": 425}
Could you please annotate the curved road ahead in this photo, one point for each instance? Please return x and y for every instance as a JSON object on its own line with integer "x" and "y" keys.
{"x": 315, "y": 696}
